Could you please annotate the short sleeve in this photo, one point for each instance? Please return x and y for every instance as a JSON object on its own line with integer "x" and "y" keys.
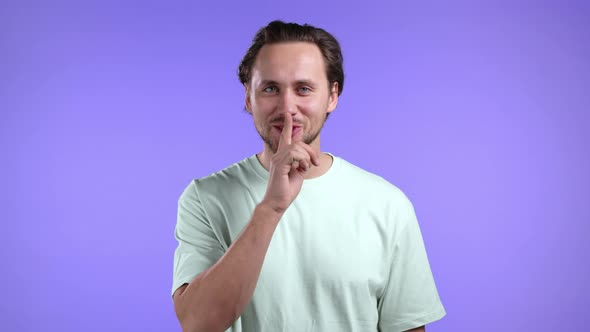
{"x": 410, "y": 298}
{"x": 198, "y": 246}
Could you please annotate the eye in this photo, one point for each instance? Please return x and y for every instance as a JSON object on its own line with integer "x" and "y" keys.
{"x": 304, "y": 90}
{"x": 270, "y": 89}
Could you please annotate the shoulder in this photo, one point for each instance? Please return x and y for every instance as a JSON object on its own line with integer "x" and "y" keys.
{"x": 371, "y": 184}
{"x": 237, "y": 175}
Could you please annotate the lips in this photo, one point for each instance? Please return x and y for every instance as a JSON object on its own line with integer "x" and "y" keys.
{"x": 296, "y": 130}
{"x": 280, "y": 128}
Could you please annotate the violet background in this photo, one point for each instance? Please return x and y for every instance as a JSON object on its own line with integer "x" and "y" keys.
{"x": 478, "y": 111}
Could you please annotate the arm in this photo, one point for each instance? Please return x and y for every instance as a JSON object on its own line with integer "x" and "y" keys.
{"x": 217, "y": 296}
{"x": 418, "y": 329}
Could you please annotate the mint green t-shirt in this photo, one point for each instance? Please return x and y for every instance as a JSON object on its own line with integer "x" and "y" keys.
{"x": 347, "y": 255}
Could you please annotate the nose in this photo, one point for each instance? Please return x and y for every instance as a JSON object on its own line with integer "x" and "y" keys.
{"x": 287, "y": 102}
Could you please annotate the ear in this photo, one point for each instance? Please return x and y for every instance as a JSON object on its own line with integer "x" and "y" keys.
{"x": 247, "y": 102}
{"x": 333, "y": 99}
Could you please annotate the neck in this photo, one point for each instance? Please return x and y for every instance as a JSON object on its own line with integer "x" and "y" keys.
{"x": 315, "y": 171}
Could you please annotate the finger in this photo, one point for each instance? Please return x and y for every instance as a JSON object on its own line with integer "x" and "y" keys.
{"x": 292, "y": 156}
{"x": 304, "y": 165}
{"x": 285, "y": 138}
{"x": 302, "y": 154}
{"x": 297, "y": 157}
{"x": 313, "y": 155}
{"x": 298, "y": 152}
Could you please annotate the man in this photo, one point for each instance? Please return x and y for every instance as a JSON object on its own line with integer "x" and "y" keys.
{"x": 294, "y": 239}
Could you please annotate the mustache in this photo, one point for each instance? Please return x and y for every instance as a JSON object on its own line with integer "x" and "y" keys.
{"x": 281, "y": 121}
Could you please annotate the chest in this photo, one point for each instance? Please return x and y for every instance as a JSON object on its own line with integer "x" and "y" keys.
{"x": 321, "y": 251}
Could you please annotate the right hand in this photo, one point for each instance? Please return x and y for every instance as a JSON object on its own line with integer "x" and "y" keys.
{"x": 287, "y": 169}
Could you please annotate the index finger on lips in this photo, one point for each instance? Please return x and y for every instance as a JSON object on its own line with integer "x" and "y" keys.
{"x": 285, "y": 138}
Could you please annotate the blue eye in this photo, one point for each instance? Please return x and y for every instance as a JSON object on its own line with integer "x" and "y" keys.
{"x": 270, "y": 89}
{"x": 304, "y": 90}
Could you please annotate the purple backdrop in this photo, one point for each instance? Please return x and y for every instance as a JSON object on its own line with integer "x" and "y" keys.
{"x": 479, "y": 113}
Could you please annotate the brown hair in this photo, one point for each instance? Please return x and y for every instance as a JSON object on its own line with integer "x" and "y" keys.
{"x": 279, "y": 31}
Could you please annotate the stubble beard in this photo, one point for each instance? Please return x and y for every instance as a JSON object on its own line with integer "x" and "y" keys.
{"x": 274, "y": 145}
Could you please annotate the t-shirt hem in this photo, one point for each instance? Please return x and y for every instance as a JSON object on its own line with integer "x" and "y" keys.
{"x": 415, "y": 322}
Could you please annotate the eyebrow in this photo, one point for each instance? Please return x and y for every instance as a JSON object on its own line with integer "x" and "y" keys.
{"x": 298, "y": 82}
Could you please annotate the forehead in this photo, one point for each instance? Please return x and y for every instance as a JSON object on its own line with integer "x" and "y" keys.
{"x": 289, "y": 61}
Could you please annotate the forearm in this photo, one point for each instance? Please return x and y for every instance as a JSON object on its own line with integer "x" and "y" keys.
{"x": 218, "y": 296}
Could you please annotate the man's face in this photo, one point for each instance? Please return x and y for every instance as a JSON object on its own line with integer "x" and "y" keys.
{"x": 290, "y": 78}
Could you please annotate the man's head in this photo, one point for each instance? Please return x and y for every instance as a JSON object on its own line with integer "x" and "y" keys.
{"x": 293, "y": 69}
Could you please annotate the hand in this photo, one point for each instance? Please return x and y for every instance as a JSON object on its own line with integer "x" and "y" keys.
{"x": 287, "y": 169}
